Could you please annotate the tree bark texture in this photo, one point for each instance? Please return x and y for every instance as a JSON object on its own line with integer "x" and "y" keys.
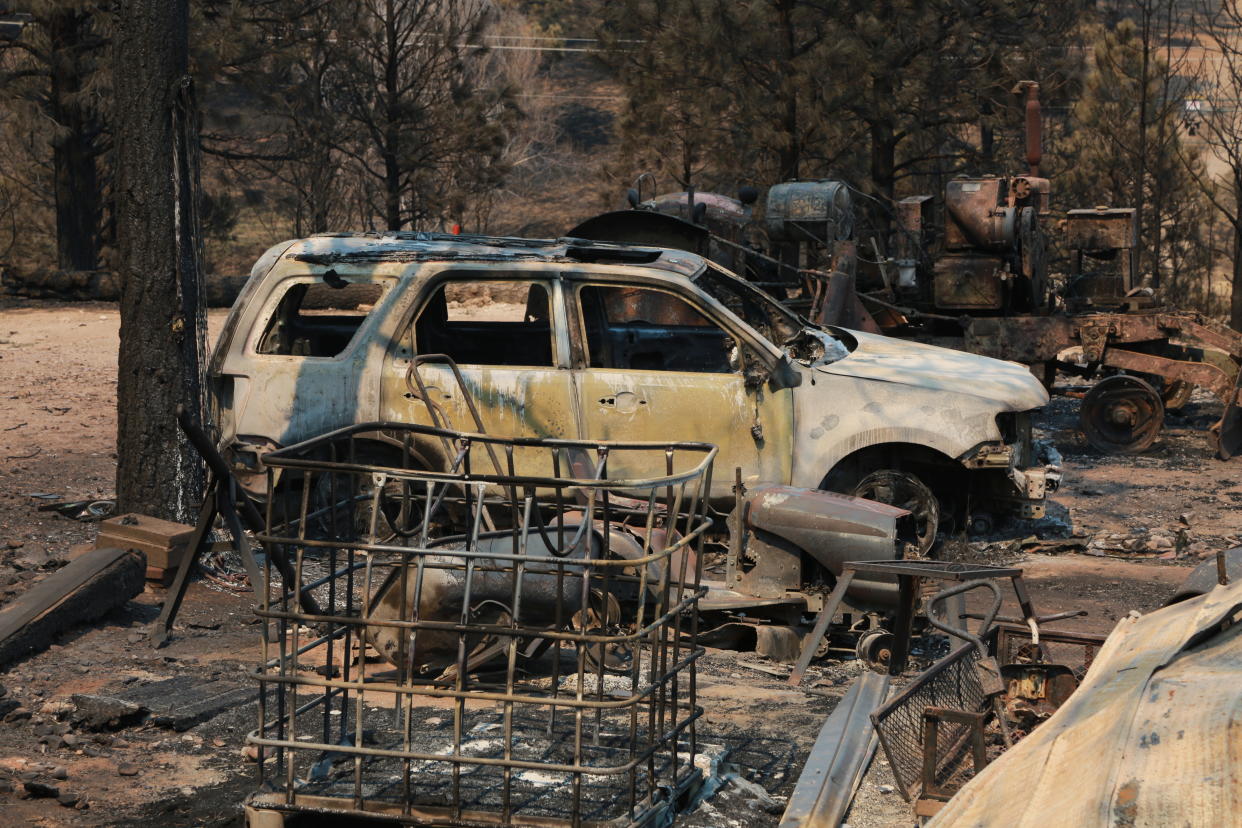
{"x": 1235, "y": 298}
{"x": 75, "y": 171}
{"x": 162, "y": 317}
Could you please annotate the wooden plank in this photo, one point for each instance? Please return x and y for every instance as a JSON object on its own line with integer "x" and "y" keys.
{"x": 163, "y": 541}
{"x": 82, "y": 591}
{"x": 160, "y": 575}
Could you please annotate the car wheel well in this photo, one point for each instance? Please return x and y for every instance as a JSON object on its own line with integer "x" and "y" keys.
{"x": 384, "y": 452}
{"x": 939, "y": 472}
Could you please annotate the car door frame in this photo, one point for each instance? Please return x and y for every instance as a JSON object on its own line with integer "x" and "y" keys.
{"x": 431, "y": 278}
{"x": 285, "y": 398}
{"x": 778, "y": 404}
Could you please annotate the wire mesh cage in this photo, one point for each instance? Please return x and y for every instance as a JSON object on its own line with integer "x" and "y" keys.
{"x": 950, "y": 684}
{"x": 508, "y": 640}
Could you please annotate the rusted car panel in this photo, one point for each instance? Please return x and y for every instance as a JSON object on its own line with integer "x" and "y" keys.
{"x": 786, "y": 532}
{"x": 966, "y": 282}
{"x": 682, "y": 350}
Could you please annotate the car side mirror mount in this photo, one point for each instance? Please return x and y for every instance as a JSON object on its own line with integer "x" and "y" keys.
{"x": 784, "y": 375}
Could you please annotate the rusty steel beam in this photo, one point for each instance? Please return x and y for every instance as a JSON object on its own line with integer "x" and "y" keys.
{"x": 1206, "y": 332}
{"x": 1201, "y": 374}
{"x": 838, "y": 759}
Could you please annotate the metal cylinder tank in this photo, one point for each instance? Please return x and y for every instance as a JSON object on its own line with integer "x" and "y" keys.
{"x": 801, "y": 211}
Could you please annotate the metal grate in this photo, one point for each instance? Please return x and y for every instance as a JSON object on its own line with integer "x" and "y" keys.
{"x": 1074, "y": 650}
{"x": 950, "y": 683}
{"x": 510, "y": 640}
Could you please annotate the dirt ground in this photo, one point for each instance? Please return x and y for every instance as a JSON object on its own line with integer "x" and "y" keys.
{"x": 1125, "y": 532}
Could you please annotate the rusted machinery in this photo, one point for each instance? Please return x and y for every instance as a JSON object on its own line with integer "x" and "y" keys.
{"x": 948, "y": 722}
{"x": 977, "y": 279}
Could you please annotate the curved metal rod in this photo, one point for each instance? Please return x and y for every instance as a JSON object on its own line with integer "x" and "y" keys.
{"x": 958, "y": 589}
{"x": 998, "y": 709}
{"x": 421, "y": 393}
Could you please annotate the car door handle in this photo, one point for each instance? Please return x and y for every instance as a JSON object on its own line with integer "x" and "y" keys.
{"x": 432, "y": 391}
{"x": 624, "y": 401}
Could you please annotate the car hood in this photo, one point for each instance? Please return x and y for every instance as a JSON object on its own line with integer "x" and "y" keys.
{"x": 888, "y": 359}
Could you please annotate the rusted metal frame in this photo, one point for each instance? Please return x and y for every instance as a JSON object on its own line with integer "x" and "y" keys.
{"x": 429, "y": 815}
{"x": 1039, "y": 619}
{"x": 831, "y": 605}
{"x": 658, "y": 742}
{"x": 909, "y": 588}
{"x": 973, "y": 721}
{"x": 663, "y": 679}
{"x": 620, "y": 563}
{"x": 909, "y": 577}
{"x": 1208, "y": 333}
{"x": 838, "y": 759}
{"x": 914, "y": 686}
{"x": 909, "y": 313}
{"x": 986, "y": 666}
{"x": 1145, "y": 327}
{"x": 940, "y": 570}
{"x": 286, "y": 458}
{"x": 1027, "y": 339}
{"x": 1202, "y": 374}
{"x": 1009, "y": 632}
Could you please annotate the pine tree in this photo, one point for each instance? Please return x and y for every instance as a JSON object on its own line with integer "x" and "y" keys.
{"x": 58, "y": 69}
{"x": 1127, "y": 150}
{"x": 1218, "y": 124}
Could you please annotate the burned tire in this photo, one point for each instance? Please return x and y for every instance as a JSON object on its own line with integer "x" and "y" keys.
{"x": 906, "y": 491}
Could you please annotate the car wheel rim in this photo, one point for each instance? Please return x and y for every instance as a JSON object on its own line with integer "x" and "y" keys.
{"x": 905, "y": 491}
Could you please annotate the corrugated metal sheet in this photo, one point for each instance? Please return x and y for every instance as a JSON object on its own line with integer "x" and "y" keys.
{"x": 1153, "y": 736}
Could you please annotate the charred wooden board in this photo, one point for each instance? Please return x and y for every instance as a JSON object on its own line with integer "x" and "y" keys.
{"x": 82, "y": 591}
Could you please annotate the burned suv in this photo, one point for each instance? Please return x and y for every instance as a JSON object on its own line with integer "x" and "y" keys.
{"x": 600, "y": 341}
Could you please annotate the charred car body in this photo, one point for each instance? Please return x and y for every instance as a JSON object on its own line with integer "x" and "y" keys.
{"x": 570, "y": 339}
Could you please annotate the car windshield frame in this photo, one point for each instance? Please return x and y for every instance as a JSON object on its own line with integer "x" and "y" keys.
{"x": 775, "y": 322}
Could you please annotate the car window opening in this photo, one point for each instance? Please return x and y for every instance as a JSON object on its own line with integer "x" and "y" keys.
{"x": 488, "y": 323}
{"x": 754, "y": 307}
{"x": 317, "y": 320}
{"x": 633, "y": 328}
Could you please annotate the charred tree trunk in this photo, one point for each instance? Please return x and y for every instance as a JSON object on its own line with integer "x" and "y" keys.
{"x": 1235, "y": 300}
{"x": 392, "y": 129}
{"x": 791, "y": 148}
{"x": 884, "y": 162}
{"x": 162, "y": 322}
{"x": 1140, "y": 179}
{"x": 392, "y": 186}
{"x": 883, "y": 145}
{"x": 75, "y": 172}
